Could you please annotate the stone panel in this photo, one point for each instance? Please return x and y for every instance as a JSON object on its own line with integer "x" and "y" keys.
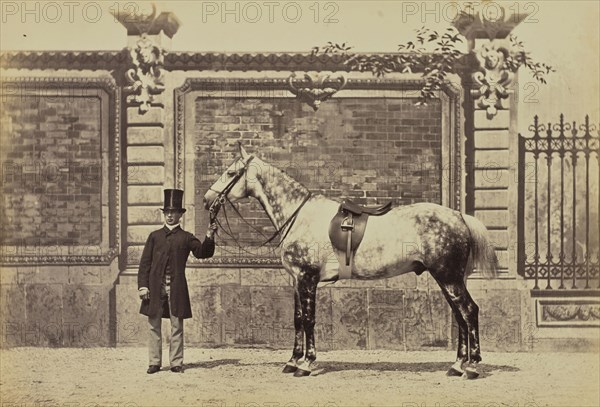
{"x": 154, "y": 116}
{"x": 146, "y": 154}
{"x": 146, "y": 195}
{"x": 492, "y": 178}
{"x": 266, "y": 277}
{"x": 492, "y": 217}
{"x": 145, "y": 174}
{"x": 131, "y": 326}
{"x": 199, "y": 276}
{"x": 85, "y": 316}
{"x": 499, "y": 238}
{"x": 404, "y": 281}
{"x": 139, "y": 234}
{"x": 386, "y": 319}
{"x": 491, "y": 139}
{"x": 144, "y": 215}
{"x": 43, "y": 275}
{"x": 145, "y": 135}
{"x": 349, "y": 317}
{"x": 426, "y": 322}
{"x": 272, "y": 316}
{"x": 326, "y": 332}
{"x": 499, "y": 320}
{"x": 134, "y": 253}
{"x": 491, "y": 159}
{"x": 44, "y": 314}
{"x": 93, "y": 275}
{"x": 500, "y": 121}
{"x": 236, "y": 312}
{"x": 491, "y": 199}
{"x": 12, "y": 310}
{"x": 206, "y": 325}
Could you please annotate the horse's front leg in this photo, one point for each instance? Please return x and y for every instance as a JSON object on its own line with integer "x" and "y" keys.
{"x": 307, "y": 290}
{"x": 292, "y": 365}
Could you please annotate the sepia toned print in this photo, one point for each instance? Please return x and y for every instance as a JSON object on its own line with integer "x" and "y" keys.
{"x": 486, "y": 111}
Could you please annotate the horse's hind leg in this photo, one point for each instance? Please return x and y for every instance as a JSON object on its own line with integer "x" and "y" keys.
{"x": 292, "y": 365}
{"x": 458, "y": 295}
{"x": 461, "y": 356}
{"x": 307, "y": 289}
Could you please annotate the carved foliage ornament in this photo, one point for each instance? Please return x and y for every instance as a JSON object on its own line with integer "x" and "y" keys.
{"x": 313, "y": 91}
{"x": 146, "y": 78}
{"x": 571, "y": 312}
{"x": 493, "y": 76}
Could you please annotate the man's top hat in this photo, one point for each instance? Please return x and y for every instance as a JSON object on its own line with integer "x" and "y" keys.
{"x": 174, "y": 200}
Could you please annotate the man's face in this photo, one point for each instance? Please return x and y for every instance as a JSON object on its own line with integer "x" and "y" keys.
{"x": 172, "y": 216}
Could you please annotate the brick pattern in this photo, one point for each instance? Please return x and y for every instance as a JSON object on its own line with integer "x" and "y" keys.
{"x": 369, "y": 150}
{"x": 51, "y": 179}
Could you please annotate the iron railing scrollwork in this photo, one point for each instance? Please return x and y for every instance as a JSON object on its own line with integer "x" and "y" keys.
{"x": 559, "y": 205}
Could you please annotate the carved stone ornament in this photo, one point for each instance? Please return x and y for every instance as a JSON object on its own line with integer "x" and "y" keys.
{"x": 493, "y": 76}
{"x": 313, "y": 91}
{"x": 570, "y": 312}
{"x": 146, "y": 78}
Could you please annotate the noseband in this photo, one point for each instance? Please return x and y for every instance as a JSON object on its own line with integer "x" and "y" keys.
{"x": 214, "y": 208}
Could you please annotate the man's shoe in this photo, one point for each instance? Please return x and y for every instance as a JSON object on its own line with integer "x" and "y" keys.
{"x": 177, "y": 369}
{"x": 153, "y": 369}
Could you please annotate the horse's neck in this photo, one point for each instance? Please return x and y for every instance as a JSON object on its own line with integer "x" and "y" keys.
{"x": 279, "y": 194}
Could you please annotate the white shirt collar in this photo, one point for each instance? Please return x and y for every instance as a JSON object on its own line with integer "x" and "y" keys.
{"x": 171, "y": 227}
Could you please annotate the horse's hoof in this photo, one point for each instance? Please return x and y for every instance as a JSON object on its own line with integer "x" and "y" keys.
{"x": 470, "y": 373}
{"x": 454, "y": 372}
{"x": 301, "y": 373}
{"x": 290, "y": 369}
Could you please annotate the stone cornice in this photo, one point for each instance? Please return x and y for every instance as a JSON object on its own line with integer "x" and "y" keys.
{"x": 184, "y": 61}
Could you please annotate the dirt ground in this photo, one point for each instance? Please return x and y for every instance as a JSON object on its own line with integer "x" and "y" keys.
{"x": 252, "y": 378}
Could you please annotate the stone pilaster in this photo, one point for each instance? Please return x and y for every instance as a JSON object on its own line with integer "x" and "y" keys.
{"x": 149, "y": 35}
{"x": 490, "y": 111}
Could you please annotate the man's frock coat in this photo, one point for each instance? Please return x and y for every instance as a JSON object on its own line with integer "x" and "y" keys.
{"x": 173, "y": 247}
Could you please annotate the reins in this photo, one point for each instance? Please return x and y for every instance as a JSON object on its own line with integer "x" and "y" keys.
{"x": 221, "y": 198}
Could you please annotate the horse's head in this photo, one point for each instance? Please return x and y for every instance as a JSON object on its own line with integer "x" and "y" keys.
{"x": 231, "y": 185}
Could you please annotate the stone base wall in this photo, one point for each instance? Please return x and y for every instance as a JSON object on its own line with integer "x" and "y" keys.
{"x": 58, "y": 306}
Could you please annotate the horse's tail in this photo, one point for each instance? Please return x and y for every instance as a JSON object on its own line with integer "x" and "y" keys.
{"x": 483, "y": 255}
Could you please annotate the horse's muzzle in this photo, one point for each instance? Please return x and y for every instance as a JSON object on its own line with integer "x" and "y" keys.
{"x": 209, "y": 198}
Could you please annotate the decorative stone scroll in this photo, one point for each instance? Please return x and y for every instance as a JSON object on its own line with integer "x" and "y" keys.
{"x": 492, "y": 77}
{"x": 146, "y": 78}
{"x": 492, "y": 74}
{"x": 314, "y": 90}
{"x": 147, "y": 28}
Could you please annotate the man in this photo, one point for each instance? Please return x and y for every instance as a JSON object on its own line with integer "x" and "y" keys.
{"x": 161, "y": 279}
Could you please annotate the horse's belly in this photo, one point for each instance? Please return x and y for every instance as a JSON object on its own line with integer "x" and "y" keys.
{"x": 390, "y": 247}
{"x": 364, "y": 272}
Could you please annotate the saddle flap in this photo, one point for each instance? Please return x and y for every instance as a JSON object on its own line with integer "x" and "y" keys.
{"x": 338, "y": 233}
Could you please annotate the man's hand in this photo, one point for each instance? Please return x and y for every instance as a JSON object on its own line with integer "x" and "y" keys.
{"x": 144, "y": 293}
{"x": 212, "y": 228}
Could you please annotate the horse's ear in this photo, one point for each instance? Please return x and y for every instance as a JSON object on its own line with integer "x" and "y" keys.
{"x": 243, "y": 152}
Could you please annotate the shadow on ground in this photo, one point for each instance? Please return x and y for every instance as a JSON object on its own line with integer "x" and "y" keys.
{"x": 419, "y": 367}
{"x": 322, "y": 368}
{"x": 211, "y": 364}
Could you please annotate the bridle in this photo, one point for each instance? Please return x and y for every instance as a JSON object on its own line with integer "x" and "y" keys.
{"x": 221, "y": 198}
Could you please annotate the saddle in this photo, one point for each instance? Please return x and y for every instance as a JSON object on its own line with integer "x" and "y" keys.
{"x": 347, "y": 229}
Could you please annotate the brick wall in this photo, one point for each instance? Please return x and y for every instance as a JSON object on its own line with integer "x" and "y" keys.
{"x": 369, "y": 150}
{"x": 51, "y": 171}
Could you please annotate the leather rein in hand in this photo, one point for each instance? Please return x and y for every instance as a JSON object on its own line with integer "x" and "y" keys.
{"x": 221, "y": 198}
